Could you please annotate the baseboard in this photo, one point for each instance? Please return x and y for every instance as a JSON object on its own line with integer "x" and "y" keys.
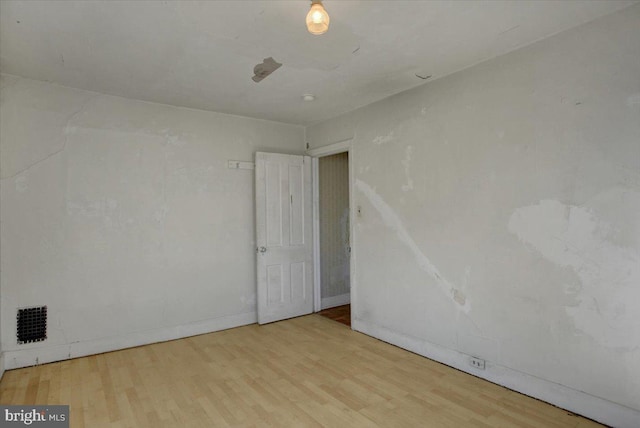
{"x": 41, "y": 355}
{"x": 332, "y": 302}
{"x": 562, "y": 396}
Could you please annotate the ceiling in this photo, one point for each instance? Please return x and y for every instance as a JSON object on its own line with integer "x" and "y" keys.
{"x": 202, "y": 54}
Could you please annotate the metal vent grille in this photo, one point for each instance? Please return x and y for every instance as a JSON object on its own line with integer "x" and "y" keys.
{"x": 32, "y": 325}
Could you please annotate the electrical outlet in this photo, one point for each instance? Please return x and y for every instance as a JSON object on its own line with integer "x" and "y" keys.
{"x": 478, "y": 363}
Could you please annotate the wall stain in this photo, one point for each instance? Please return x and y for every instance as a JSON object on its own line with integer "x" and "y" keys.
{"x": 572, "y": 236}
{"x": 393, "y": 222}
{"x": 383, "y": 139}
{"x": 406, "y": 162}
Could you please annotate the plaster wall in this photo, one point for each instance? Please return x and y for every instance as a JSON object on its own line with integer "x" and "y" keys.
{"x": 499, "y": 218}
{"x": 123, "y": 218}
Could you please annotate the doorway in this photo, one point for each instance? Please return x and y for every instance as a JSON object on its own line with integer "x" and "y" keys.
{"x": 333, "y": 235}
{"x": 333, "y": 216}
{"x": 288, "y": 239}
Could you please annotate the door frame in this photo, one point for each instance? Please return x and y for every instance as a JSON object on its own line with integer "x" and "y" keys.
{"x": 317, "y": 153}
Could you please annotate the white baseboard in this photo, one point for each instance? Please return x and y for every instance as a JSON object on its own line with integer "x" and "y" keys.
{"x": 562, "y": 396}
{"x": 332, "y": 302}
{"x": 40, "y": 355}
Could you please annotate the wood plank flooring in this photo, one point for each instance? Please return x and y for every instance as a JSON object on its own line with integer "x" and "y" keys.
{"x": 342, "y": 314}
{"x": 308, "y": 371}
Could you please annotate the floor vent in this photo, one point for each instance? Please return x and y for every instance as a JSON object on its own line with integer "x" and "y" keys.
{"x": 32, "y": 325}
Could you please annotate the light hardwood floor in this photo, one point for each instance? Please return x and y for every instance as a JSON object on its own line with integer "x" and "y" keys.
{"x": 308, "y": 371}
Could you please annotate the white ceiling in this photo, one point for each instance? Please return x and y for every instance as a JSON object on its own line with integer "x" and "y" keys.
{"x": 202, "y": 54}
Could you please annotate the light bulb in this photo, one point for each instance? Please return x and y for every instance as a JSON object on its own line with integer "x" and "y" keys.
{"x": 317, "y": 18}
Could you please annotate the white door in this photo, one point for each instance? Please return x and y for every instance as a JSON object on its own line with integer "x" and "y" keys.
{"x": 283, "y": 236}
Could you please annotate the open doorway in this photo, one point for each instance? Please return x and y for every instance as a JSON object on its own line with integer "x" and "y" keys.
{"x": 334, "y": 245}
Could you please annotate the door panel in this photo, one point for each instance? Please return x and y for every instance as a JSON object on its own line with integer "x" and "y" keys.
{"x": 283, "y": 236}
{"x": 296, "y": 185}
{"x": 298, "y": 281}
{"x": 274, "y": 204}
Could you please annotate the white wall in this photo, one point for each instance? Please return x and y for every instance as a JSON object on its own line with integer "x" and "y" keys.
{"x": 124, "y": 219}
{"x": 500, "y": 218}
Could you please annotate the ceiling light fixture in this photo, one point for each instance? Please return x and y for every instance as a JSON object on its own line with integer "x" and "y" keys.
{"x": 308, "y": 97}
{"x": 317, "y": 18}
